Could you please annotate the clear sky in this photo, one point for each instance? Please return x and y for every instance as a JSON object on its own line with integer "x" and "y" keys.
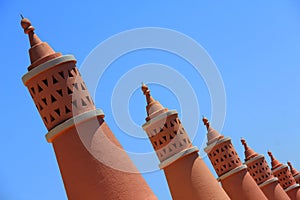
{"x": 255, "y": 47}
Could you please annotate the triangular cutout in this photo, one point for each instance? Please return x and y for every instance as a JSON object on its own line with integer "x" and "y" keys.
{"x": 70, "y": 91}
{"x": 45, "y": 81}
{"x": 57, "y": 111}
{"x": 82, "y": 86}
{"x": 40, "y": 88}
{"x": 44, "y": 100}
{"x": 40, "y": 107}
{"x": 62, "y": 74}
{"x": 165, "y": 138}
{"x": 172, "y": 125}
{"x": 53, "y": 99}
{"x": 45, "y": 120}
{"x": 54, "y": 80}
{"x": 83, "y": 103}
{"x": 60, "y": 92}
{"x": 75, "y": 85}
{"x": 67, "y": 109}
{"x": 51, "y": 118}
{"x": 32, "y": 90}
{"x": 88, "y": 98}
{"x": 74, "y": 103}
{"x": 70, "y": 73}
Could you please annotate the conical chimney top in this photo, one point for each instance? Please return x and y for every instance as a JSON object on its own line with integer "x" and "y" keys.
{"x": 249, "y": 153}
{"x": 292, "y": 169}
{"x": 154, "y": 108}
{"x": 212, "y": 134}
{"x": 40, "y": 52}
{"x": 275, "y": 163}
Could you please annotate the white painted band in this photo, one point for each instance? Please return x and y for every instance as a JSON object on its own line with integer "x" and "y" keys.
{"x": 211, "y": 146}
{"x": 253, "y": 159}
{"x": 47, "y": 65}
{"x": 279, "y": 168}
{"x": 267, "y": 182}
{"x": 297, "y": 176}
{"x": 231, "y": 172}
{"x": 159, "y": 117}
{"x": 53, "y": 133}
{"x": 291, "y": 187}
{"x": 178, "y": 155}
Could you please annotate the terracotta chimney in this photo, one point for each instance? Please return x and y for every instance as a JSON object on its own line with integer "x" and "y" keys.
{"x": 233, "y": 175}
{"x": 285, "y": 178}
{"x": 294, "y": 172}
{"x": 261, "y": 173}
{"x": 187, "y": 175}
{"x": 77, "y": 130}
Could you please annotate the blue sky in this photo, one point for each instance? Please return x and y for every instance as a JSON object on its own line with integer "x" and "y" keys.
{"x": 255, "y": 46}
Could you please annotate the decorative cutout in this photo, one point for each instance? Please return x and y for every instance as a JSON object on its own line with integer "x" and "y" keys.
{"x": 60, "y": 92}
{"x": 55, "y": 97}
{"x": 74, "y": 103}
{"x": 70, "y": 91}
{"x": 61, "y": 73}
{"x": 45, "y": 120}
{"x": 285, "y": 178}
{"x": 32, "y": 90}
{"x": 44, "y": 100}
{"x": 57, "y": 111}
{"x": 70, "y": 73}
{"x": 54, "y": 80}
{"x": 259, "y": 170}
{"x": 83, "y": 103}
{"x": 45, "y": 81}
{"x": 67, "y": 110}
{"x": 224, "y": 158}
{"x": 82, "y": 86}
{"x": 39, "y": 88}
{"x": 51, "y": 118}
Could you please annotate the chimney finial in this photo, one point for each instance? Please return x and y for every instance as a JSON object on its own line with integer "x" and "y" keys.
{"x": 205, "y": 122}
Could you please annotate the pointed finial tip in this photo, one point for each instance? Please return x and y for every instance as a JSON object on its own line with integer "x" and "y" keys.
{"x": 243, "y": 141}
{"x": 290, "y": 164}
{"x": 21, "y": 16}
{"x": 26, "y": 25}
{"x": 205, "y": 122}
{"x": 271, "y": 155}
{"x": 145, "y": 88}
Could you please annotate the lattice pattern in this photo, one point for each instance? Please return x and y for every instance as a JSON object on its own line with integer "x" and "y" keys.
{"x": 224, "y": 157}
{"x": 168, "y": 137}
{"x": 285, "y": 177}
{"x": 59, "y": 94}
{"x": 260, "y": 170}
